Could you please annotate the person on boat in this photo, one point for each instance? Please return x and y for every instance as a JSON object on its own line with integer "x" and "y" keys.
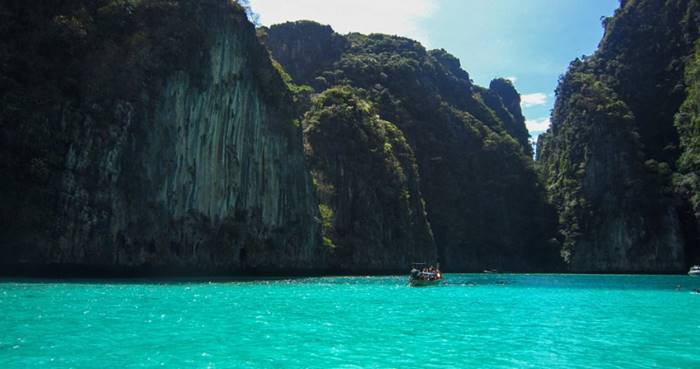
{"x": 433, "y": 273}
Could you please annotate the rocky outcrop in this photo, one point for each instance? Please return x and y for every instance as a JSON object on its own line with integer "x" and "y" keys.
{"x": 503, "y": 99}
{"x": 687, "y": 180}
{"x": 201, "y": 169}
{"x": 484, "y": 200}
{"x": 612, "y": 215}
{"x": 610, "y": 157}
{"x": 367, "y": 180}
{"x": 307, "y": 48}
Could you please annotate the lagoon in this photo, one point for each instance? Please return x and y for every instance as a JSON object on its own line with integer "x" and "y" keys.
{"x": 472, "y": 320}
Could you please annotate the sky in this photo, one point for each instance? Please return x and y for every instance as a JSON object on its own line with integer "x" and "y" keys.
{"x": 530, "y": 42}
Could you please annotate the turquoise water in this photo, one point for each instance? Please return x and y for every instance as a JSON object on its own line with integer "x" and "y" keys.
{"x": 490, "y": 321}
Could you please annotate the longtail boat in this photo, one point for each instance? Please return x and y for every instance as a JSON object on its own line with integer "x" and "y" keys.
{"x": 423, "y": 277}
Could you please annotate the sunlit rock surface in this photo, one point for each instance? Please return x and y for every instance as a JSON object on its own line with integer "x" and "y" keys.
{"x": 203, "y": 172}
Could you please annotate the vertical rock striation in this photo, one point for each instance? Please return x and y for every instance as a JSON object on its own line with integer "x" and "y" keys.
{"x": 687, "y": 180}
{"x": 201, "y": 169}
{"x": 611, "y": 155}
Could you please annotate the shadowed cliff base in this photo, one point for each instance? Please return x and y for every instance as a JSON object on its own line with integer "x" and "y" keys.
{"x": 147, "y": 274}
{"x": 79, "y": 271}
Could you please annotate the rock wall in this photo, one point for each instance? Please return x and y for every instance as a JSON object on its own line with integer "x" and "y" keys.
{"x": 504, "y": 100}
{"x": 202, "y": 172}
{"x": 374, "y": 217}
{"x": 484, "y": 201}
{"x": 610, "y": 157}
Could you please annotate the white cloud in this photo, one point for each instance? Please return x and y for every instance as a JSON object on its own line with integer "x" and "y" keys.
{"x": 537, "y": 125}
{"x": 394, "y": 17}
{"x": 535, "y": 99}
{"x": 513, "y": 79}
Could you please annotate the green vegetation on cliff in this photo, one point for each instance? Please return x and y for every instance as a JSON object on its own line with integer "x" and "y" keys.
{"x": 611, "y": 153}
{"x": 148, "y": 134}
{"x": 367, "y": 184}
{"x": 486, "y": 205}
{"x": 687, "y": 180}
{"x": 159, "y": 133}
{"x": 504, "y": 100}
{"x": 76, "y": 58}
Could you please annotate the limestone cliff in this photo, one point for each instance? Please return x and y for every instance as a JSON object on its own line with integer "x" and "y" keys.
{"x": 176, "y": 148}
{"x": 504, "y": 100}
{"x": 484, "y": 201}
{"x": 610, "y": 157}
{"x": 687, "y": 180}
{"x": 367, "y": 179}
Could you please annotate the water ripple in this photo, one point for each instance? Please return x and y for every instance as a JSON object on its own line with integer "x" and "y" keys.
{"x": 493, "y": 321}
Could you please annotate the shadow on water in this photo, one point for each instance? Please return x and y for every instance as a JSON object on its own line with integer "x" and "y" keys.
{"x": 533, "y": 281}
{"x": 154, "y": 281}
{"x": 555, "y": 281}
{"x": 577, "y": 281}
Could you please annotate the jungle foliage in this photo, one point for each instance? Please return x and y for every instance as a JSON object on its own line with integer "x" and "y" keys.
{"x": 622, "y": 147}
{"x": 485, "y": 202}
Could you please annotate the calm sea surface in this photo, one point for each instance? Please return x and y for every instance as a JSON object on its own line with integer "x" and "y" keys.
{"x": 489, "y": 321}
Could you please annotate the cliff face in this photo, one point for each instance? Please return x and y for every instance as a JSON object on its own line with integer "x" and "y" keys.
{"x": 483, "y": 198}
{"x": 197, "y": 166}
{"x": 367, "y": 180}
{"x": 307, "y": 48}
{"x": 504, "y": 100}
{"x": 687, "y": 180}
{"x": 610, "y": 157}
{"x": 160, "y": 136}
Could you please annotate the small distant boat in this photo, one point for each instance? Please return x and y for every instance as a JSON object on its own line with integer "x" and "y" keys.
{"x": 491, "y": 271}
{"x": 435, "y": 279}
{"x": 423, "y": 277}
{"x": 694, "y": 270}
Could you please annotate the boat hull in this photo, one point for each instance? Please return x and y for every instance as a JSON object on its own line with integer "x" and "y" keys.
{"x": 423, "y": 282}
